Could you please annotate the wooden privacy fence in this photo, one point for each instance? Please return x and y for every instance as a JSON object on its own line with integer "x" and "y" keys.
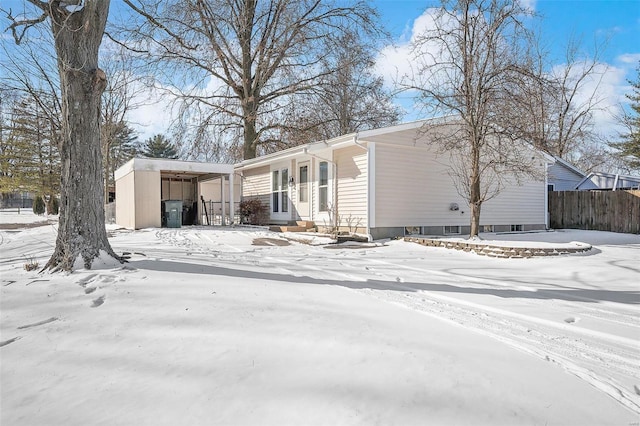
{"x": 616, "y": 211}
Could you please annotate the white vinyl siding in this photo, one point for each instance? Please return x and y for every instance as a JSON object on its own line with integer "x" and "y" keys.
{"x": 563, "y": 178}
{"x": 257, "y": 183}
{"x": 352, "y": 185}
{"x": 413, "y": 188}
{"x": 516, "y": 205}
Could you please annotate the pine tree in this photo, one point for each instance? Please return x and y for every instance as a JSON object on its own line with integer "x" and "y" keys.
{"x": 30, "y": 154}
{"x": 159, "y": 146}
{"x": 629, "y": 147}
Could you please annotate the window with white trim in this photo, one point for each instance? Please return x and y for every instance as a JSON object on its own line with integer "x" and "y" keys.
{"x": 323, "y": 187}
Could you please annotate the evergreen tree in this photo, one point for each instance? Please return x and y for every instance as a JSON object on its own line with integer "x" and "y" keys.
{"x": 629, "y": 147}
{"x": 30, "y": 159}
{"x": 159, "y": 146}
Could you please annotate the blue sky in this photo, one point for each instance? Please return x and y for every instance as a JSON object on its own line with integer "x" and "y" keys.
{"x": 616, "y": 23}
{"x": 591, "y": 21}
{"x": 559, "y": 20}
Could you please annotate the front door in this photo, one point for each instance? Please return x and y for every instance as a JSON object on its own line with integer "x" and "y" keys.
{"x": 280, "y": 194}
{"x": 303, "y": 189}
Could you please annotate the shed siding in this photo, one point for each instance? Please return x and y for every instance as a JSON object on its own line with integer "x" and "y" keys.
{"x": 352, "y": 185}
{"x": 147, "y": 199}
{"x": 563, "y": 178}
{"x": 413, "y": 189}
{"x": 125, "y": 201}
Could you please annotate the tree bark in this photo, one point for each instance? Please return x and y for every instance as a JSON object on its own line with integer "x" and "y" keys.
{"x": 81, "y": 234}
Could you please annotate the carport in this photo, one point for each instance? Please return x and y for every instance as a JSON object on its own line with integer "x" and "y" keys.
{"x": 144, "y": 185}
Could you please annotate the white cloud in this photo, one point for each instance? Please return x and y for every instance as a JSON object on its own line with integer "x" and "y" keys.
{"x": 153, "y": 114}
{"x": 629, "y": 58}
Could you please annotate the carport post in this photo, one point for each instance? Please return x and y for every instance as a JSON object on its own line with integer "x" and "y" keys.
{"x": 223, "y": 212}
{"x": 232, "y": 209}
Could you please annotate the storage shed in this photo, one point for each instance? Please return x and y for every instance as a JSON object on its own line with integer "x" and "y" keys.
{"x": 143, "y": 185}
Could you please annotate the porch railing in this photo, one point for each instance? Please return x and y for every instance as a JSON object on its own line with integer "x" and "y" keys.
{"x": 214, "y": 213}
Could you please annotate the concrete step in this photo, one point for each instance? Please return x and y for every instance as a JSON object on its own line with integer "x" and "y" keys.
{"x": 287, "y": 228}
{"x": 308, "y": 224}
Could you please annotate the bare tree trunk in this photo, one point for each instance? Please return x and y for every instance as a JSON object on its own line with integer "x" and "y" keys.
{"x": 475, "y": 194}
{"x": 106, "y": 168}
{"x": 250, "y": 133}
{"x": 81, "y": 233}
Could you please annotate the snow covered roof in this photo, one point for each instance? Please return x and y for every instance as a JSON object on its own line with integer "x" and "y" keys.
{"x": 173, "y": 166}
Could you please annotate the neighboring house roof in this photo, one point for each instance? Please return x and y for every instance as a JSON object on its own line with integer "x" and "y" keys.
{"x": 600, "y": 180}
{"x": 569, "y": 166}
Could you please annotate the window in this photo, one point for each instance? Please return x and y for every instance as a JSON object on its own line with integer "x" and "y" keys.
{"x": 275, "y": 201}
{"x": 451, "y": 230}
{"x": 551, "y": 187}
{"x": 284, "y": 194}
{"x": 323, "y": 187}
{"x": 280, "y": 191}
{"x": 487, "y": 228}
{"x": 516, "y": 228}
{"x": 303, "y": 181}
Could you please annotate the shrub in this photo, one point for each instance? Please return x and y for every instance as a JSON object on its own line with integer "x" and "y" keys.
{"x": 38, "y": 205}
{"x": 253, "y": 211}
{"x": 31, "y": 265}
{"x": 55, "y": 205}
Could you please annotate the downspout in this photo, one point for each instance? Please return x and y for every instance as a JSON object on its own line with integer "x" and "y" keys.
{"x": 369, "y": 185}
{"x": 546, "y": 196}
{"x": 615, "y": 182}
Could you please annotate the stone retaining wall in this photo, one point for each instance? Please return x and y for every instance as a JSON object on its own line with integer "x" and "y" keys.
{"x": 497, "y": 251}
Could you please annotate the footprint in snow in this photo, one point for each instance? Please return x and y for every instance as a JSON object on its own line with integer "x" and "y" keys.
{"x": 86, "y": 280}
{"x": 89, "y": 290}
{"x": 571, "y": 320}
{"x": 97, "y": 302}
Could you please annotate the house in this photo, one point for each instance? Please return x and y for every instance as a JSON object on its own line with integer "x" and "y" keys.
{"x": 145, "y": 185}
{"x": 607, "y": 181}
{"x": 385, "y": 182}
{"x": 563, "y": 176}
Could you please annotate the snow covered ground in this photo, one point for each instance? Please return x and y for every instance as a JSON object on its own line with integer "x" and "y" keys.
{"x": 244, "y": 326}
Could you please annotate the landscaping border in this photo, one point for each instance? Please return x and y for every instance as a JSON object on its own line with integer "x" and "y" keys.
{"x": 492, "y": 250}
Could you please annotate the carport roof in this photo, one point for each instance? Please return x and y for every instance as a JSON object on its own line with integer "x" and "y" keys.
{"x": 163, "y": 165}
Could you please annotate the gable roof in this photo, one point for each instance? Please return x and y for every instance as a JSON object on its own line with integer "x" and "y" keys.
{"x": 569, "y": 166}
{"x": 353, "y": 138}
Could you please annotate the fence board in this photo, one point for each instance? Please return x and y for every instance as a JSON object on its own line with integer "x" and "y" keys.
{"x": 616, "y": 211}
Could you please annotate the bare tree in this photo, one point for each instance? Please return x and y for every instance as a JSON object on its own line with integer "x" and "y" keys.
{"x": 466, "y": 65}
{"x": 77, "y": 28}
{"x": 122, "y": 94}
{"x": 349, "y": 98}
{"x": 244, "y": 59}
{"x": 560, "y": 105}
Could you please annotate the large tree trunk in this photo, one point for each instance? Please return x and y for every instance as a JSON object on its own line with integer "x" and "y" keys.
{"x": 81, "y": 234}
